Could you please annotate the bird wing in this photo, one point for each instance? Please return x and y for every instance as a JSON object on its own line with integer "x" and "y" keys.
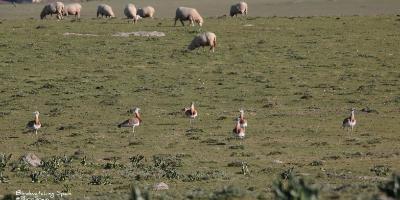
{"x": 126, "y": 123}
{"x": 346, "y": 120}
{"x": 188, "y": 112}
{"x": 30, "y": 124}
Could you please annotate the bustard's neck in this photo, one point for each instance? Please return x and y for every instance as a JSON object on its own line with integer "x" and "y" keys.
{"x": 137, "y": 115}
{"x": 36, "y": 119}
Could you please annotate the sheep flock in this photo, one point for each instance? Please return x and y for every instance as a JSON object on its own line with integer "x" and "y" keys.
{"x": 131, "y": 12}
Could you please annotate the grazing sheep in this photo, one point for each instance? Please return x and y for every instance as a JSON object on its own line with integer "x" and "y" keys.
{"x": 204, "y": 39}
{"x": 147, "y": 11}
{"x": 73, "y": 9}
{"x": 191, "y": 14}
{"x": 239, "y": 8}
{"x": 105, "y": 10}
{"x": 130, "y": 12}
{"x": 53, "y": 8}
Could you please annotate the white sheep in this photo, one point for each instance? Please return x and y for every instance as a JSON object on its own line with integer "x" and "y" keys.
{"x": 53, "y": 8}
{"x": 239, "y": 8}
{"x": 191, "y": 14}
{"x": 204, "y": 39}
{"x": 105, "y": 10}
{"x": 73, "y": 9}
{"x": 147, "y": 11}
{"x": 130, "y": 12}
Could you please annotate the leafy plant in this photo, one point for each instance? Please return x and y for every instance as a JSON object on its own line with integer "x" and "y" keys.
{"x": 287, "y": 173}
{"x": 4, "y": 159}
{"x": 391, "y": 189}
{"x": 229, "y": 192}
{"x": 100, "y": 180}
{"x": 136, "y": 160}
{"x": 3, "y": 179}
{"x": 136, "y": 194}
{"x": 294, "y": 189}
{"x": 201, "y": 176}
{"x": 83, "y": 161}
{"x": 380, "y": 170}
{"x": 113, "y": 165}
{"x": 35, "y": 176}
{"x": 245, "y": 169}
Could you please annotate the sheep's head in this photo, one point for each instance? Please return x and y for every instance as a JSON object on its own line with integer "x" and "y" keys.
{"x": 136, "y": 18}
{"x": 199, "y": 21}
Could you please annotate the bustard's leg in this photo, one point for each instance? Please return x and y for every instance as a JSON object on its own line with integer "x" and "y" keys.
{"x": 35, "y": 131}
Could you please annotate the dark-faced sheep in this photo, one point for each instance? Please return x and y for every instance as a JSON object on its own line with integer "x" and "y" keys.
{"x": 147, "y": 11}
{"x": 53, "y": 8}
{"x": 105, "y": 10}
{"x": 239, "y": 8}
{"x": 130, "y": 12}
{"x": 204, "y": 39}
{"x": 73, "y": 9}
{"x": 191, "y": 14}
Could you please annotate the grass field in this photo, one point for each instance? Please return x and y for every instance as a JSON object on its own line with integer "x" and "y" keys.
{"x": 296, "y": 78}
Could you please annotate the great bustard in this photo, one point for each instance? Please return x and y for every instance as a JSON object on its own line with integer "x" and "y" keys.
{"x": 190, "y": 112}
{"x": 243, "y": 121}
{"x": 350, "y": 122}
{"x": 34, "y": 124}
{"x": 238, "y": 131}
{"x": 132, "y": 122}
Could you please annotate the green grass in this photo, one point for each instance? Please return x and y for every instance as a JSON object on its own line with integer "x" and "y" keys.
{"x": 296, "y": 78}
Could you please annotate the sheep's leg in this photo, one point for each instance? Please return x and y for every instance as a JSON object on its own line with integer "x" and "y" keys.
{"x": 182, "y": 22}
{"x": 191, "y": 21}
{"x": 176, "y": 19}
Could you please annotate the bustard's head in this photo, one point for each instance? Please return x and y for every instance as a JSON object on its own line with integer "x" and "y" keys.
{"x": 36, "y": 113}
{"x": 241, "y": 111}
{"x": 137, "y": 110}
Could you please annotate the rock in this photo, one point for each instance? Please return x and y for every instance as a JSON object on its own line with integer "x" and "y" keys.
{"x": 161, "y": 186}
{"x": 32, "y": 160}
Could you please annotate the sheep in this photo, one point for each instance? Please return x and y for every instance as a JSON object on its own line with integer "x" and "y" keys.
{"x": 204, "y": 39}
{"x": 130, "y": 12}
{"x": 53, "y": 8}
{"x": 73, "y": 9}
{"x": 191, "y": 14}
{"x": 105, "y": 10}
{"x": 147, "y": 11}
{"x": 239, "y": 8}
